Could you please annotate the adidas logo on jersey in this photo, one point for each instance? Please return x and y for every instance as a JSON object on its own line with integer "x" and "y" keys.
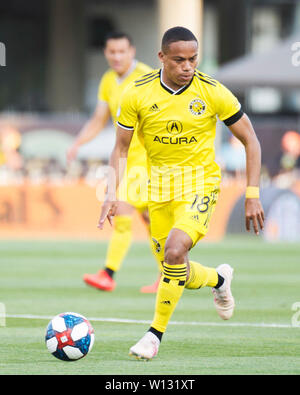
{"x": 154, "y": 108}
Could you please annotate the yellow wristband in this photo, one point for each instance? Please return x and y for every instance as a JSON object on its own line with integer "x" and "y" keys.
{"x": 252, "y": 193}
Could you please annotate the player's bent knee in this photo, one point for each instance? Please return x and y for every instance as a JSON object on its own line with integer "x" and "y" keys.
{"x": 175, "y": 255}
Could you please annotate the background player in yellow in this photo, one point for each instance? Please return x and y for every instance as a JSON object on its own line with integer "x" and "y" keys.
{"x": 124, "y": 68}
{"x": 179, "y": 140}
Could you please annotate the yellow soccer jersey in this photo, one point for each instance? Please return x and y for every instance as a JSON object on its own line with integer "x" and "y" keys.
{"x": 110, "y": 90}
{"x": 178, "y": 131}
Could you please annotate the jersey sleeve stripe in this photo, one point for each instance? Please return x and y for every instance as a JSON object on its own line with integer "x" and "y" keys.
{"x": 205, "y": 76}
{"x": 145, "y": 82}
{"x": 124, "y": 126}
{"x": 234, "y": 118}
{"x": 144, "y": 76}
{"x": 202, "y": 79}
{"x": 147, "y": 78}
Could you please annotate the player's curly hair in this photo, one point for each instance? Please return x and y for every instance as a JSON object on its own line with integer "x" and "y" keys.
{"x": 177, "y": 33}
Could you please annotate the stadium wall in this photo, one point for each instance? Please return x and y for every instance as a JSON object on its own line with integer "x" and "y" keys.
{"x": 47, "y": 211}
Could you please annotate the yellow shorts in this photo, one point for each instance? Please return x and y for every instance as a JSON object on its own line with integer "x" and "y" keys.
{"x": 134, "y": 188}
{"x": 190, "y": 216}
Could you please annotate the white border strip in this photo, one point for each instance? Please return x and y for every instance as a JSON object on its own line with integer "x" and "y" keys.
{"x": 130, "y": 321}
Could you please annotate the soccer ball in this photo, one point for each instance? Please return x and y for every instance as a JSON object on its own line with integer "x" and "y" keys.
{"x": 69, "y": 336}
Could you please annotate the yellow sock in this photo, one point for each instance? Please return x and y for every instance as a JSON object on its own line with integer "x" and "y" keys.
{"x": 201, "y": 276}
{"x": 169, "y": 292}
{"x": 119, "y": 242}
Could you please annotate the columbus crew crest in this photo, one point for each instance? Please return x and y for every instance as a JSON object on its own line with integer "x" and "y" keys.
{"x": 197, "y": 107}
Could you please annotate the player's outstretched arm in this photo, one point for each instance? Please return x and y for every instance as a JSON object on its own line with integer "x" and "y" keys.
{"x": 90, "y": 129}
{"x": 254, "y": 213}
{"x": 117, "y": 164}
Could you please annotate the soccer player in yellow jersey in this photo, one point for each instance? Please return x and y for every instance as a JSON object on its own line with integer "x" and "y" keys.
{"x": 176, "y": 108}
{"x": 120, "y": 55}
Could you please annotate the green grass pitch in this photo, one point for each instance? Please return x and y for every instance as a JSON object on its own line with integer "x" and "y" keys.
{"x": 41, "y": 279}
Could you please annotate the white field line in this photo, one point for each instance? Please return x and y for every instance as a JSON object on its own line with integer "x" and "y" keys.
{"x": 195, "y": 323}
